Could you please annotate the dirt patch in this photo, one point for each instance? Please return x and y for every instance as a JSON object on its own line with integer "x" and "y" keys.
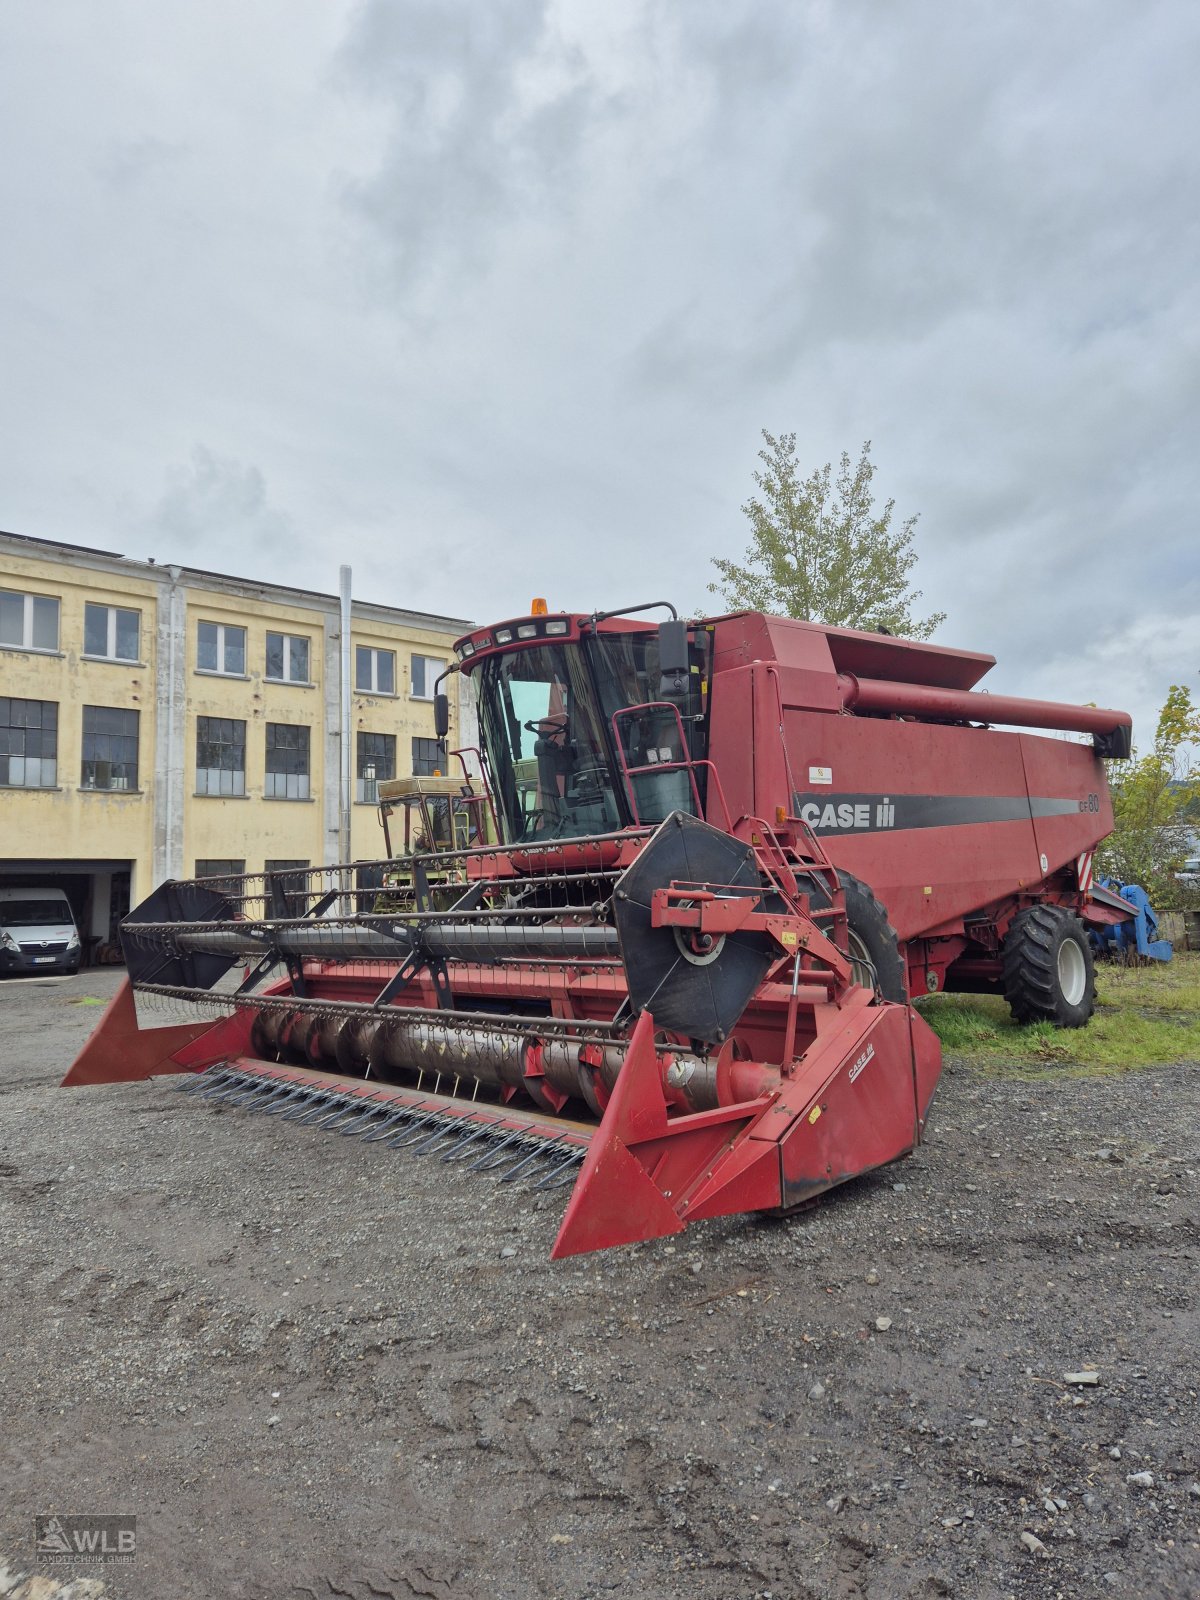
{"x": 307, "y": 1368}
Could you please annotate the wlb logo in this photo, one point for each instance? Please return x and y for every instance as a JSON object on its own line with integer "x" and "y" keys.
{"x": 58, "y": 1540}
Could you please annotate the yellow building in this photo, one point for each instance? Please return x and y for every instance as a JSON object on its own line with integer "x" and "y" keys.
{"x": 162, "y": 722}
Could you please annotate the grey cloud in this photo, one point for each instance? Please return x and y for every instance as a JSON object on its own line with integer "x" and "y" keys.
{"x": 488, "y": 112}
{"x": 126, "y": 163}
{"x": 497, "y": 298}
{"x": 212, "y": 509}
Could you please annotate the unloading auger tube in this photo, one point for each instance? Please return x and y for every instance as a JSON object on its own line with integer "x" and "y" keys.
{"x": 675, "y": 1023}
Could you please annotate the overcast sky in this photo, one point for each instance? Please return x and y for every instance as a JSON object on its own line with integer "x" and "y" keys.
{"x": 492, "y": 299}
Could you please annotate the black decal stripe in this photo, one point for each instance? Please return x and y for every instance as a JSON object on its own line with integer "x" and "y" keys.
{"x": 908, "y": 811}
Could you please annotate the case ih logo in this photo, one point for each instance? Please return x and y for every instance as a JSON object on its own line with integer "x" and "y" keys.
{"x": 860, "y": 816}
{"x": 876, "y": 813}
{"x": 867, "y": 1055}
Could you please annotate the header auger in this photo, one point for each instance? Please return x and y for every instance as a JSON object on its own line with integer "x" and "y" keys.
{"x": 663, "y": 948}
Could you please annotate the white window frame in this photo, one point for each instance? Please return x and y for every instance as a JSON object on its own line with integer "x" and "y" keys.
{"x": 110, "y": 654}
{"x": 288, "y": 640}
{"x": 430, "y": 661}
{"x": 375, "y": 651}
{"x": 222, "y": 628}
{"x": 27, "y": 622}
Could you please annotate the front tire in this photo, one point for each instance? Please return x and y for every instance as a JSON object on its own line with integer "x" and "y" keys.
{"x": 1048, "y": 969}
{"x": 873, "y": 941}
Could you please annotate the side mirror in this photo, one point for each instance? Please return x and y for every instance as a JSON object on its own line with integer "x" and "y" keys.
{"x": 441, "y": 715}
{"x": 673, "y": 659}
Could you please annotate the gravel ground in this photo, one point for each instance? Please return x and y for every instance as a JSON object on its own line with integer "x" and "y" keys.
{"x": 313, "y": 1367}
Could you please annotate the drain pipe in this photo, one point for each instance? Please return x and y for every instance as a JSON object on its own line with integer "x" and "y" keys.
{"x": 347, "y": 732}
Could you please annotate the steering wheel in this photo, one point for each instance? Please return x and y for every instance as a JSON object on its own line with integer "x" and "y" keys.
{"x": 536, "y": 725}
{"x": 589, "y": 783}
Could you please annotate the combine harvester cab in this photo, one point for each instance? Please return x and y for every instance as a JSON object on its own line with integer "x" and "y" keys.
{"x": 661, "y": 952}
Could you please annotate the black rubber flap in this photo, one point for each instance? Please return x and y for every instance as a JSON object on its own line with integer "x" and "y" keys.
{"x": 702, "y": 1001}
{"x": 150, "y": 961}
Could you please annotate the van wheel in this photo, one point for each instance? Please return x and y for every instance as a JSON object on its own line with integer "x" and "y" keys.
{"x": 1048, "y": 968}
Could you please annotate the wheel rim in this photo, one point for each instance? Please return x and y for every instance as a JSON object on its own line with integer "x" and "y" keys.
{"x": 1072, "y": 972}
{"x": 860, "y": 960}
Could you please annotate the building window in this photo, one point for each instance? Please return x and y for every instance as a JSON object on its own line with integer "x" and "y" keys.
{"x": 220, "y": 755}
{"x": 426, "y": 670}
{"x": 225, "y": 870}
{"x": 287, "y": 658}
{"x": 376, "y": 761}
{"x": 28, "y": 743}
{"x": 286, "y": 888}
{"x": 111, "y": 633}
{"x": 221, "y": 648}
{"x": 28, "y": 621}
{"x": 287, "y": 762}
{"x": 374, "y": 670}
{"x": 427, "y": 757}
{"x": 110, "y": 748}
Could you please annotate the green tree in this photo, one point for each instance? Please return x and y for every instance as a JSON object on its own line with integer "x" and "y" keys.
{"x": 1153, "y": 796}
{"x": 819, "y": 551}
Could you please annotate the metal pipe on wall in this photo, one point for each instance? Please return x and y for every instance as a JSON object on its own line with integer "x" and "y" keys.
{"x": 347, "y": 731}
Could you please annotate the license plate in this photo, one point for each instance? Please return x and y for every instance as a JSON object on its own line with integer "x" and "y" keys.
{"x": 41, "y": 960}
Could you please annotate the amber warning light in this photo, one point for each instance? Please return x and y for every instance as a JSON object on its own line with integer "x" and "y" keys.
{"x": 538, "y": 608}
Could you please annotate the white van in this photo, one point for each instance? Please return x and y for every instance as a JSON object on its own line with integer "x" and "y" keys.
{"x": 37, "y": 932}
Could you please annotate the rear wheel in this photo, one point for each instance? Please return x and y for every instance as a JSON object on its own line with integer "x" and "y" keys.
{"x": 1048, "y": 971}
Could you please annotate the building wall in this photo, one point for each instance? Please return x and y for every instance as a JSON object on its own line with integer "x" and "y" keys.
{"x": 166, "y": 826}
{"x": 68, "y": 820}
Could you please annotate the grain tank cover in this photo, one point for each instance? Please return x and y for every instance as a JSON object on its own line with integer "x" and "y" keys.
{"x": 871, "y": 655}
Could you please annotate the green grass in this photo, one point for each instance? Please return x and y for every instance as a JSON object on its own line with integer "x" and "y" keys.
{"x": 1145, "y": 1017}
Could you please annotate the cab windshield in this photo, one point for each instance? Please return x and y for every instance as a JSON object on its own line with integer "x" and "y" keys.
{"x": 542, "y": 730}
{"x": 545, "y": 719}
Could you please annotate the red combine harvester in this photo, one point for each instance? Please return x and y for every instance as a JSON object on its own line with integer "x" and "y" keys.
{"x": 674, "y": 968}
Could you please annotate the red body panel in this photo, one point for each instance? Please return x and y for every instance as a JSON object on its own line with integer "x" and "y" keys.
{"x": 947, "y": 822}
